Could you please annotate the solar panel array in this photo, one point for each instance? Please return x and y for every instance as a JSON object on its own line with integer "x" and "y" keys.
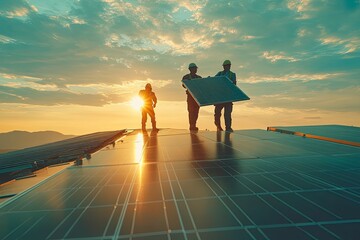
{"x": 23, "y": 162}
{"x": 250, "y": 184}
{"x": 214, "y": 90}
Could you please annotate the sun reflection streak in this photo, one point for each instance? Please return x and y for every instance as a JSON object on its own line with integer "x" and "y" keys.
{"x": 139, "y": 145}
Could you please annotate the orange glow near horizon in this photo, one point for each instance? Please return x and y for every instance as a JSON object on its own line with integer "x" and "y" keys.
{"x": 80, "y": 120}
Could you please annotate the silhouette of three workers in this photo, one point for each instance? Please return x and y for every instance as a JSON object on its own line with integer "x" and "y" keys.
{"x": 150, "y": 101}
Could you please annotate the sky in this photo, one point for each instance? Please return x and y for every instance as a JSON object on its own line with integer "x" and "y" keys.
{"x": 73, "y": 66}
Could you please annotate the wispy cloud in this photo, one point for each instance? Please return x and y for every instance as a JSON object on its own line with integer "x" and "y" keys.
{"x": 344, "y": 45}
{"x": 274, "y": 57}
{"x": 26, "y": 95}
{"x": 347, "y": 99}
{"x": 20, "y": 12}
{"x": 291, "y": 77}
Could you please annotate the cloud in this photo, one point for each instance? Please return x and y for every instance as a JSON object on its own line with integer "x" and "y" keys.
{"x": 16, "y": 9}
{"x": 25, "y": 95}
{"x": 300, "y": 6}
{"x": 193, "y": 5}
{"x": 274, "y": 57}
{"x": 91, "y": 47}
{"x": 346, "y": 99}
{"x": 5, "y": 39}
{"x": 342, "y": 46}
{"x": 32, "y": 90}
{"x": 297, "y": 60}
{"x": 291, "y": 77}
{"x": 20, "y": 12}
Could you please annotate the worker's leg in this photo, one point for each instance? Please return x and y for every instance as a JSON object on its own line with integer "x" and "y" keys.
{"x": 152, "y": 117}
{"x": 217, "y": 115}
{"x": 227, "y": 116}
{"x": 143, "y": 119}
{"x": 193, "y": 109}
{"x": 195, "y": 115}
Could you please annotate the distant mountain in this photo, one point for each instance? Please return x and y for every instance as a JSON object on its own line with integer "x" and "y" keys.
{"x": 22, "y": 139}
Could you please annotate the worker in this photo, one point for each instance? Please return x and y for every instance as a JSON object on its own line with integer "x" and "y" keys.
{"x": 192, "y": 106}
{"x": 150, "y": 100}
{"x": 228, "y": 107}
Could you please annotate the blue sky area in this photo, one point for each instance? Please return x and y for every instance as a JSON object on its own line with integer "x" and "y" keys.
{"x": 292, "y": 57}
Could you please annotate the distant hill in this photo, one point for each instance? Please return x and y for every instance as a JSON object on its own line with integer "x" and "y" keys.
{"x": 21, "y": 139}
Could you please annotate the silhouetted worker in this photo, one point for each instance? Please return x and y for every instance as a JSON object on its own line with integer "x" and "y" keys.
{"x": 150, "y": 100}
{"x": 227, "y": 106}
{"x": 192, "y": 106}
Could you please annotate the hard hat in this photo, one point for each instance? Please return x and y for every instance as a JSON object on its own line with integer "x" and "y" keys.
{"x": 191, "y": 65}
{"x": 226, "y": 62}
{"x": 148, "y": 85}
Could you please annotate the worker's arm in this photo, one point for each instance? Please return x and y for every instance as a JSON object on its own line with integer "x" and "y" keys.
{"x": 154, "y": 99}
{"x": 184, "y": 78}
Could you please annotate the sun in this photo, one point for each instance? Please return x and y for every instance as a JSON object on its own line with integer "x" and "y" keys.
{"x": 137, "y": 103}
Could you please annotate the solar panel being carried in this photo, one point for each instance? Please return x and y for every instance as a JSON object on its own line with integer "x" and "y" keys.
{"x": 214, "y": 90}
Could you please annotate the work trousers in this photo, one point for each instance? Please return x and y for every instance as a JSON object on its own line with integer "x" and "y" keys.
{"x": 193, "y": 109}
{"x": 144, "y": 112}
{"x": 228, "y": 107}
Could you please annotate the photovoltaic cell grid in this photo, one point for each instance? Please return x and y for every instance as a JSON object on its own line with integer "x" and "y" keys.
{"x": 216, "y": 187}
{"x": 214, "y": 90}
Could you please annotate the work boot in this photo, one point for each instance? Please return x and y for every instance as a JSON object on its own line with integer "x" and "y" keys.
{"x": 154, "y": 129}
{"x": 218, "y": 124}
{"x": 229, "y": 129}
{"x": 194, "y": 129}
{"x": 219, "y": 128}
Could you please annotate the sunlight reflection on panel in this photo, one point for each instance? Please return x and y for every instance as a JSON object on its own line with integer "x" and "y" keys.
{"x": 139, "y": 149}
{"x": 139, "y": 144}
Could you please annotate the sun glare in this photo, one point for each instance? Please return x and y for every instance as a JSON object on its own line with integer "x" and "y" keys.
{"x": 136, "y": 103}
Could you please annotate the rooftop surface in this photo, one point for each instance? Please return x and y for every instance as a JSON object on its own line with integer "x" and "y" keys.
{"x": 250, "y": 184}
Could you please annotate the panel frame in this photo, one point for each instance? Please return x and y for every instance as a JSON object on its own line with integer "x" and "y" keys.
{"x": 223, "y": 83}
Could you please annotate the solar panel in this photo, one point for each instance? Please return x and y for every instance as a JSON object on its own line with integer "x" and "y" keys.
{"x": 214, "y": 90}
{"x": 17, "y": 163}
{"x": 249, "y": 184}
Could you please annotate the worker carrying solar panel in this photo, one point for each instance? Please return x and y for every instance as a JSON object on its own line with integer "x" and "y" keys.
{"x": 192, "y": 106}
{"x": 228, "y": 107}
{"x": 150, "y": 100}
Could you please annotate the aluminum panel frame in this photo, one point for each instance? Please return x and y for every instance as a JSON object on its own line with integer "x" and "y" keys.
{"x": 214, "y": 90}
